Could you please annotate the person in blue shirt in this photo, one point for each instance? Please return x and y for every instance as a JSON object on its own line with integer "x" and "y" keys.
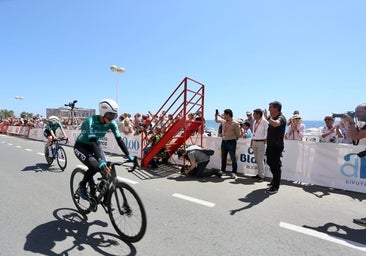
{"x": 87, "y": 146}
{"x": 53, "y": 123}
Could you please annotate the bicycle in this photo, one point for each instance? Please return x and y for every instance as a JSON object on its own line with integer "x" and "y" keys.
{"x": 129, "y": 216}
{"x": 58, "y": 152}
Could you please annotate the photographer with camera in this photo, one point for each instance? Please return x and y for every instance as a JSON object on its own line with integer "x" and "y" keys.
{"x": 356, "y": 133}
{"x": 352, "y": 118}
{"x": 330, "y": 132}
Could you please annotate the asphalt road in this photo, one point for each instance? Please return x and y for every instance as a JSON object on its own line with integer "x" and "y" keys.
{"x": 186, "y": 216}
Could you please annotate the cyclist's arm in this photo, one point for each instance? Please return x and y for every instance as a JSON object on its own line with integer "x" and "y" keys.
{"x": 52, "y": 132}
{"x": 117, "y": 135}
{"x": 122, "y": 146}
{"x": 64, "y": 133}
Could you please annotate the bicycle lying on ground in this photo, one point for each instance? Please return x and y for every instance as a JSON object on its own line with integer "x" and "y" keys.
{"x": 118, "y": 199}
{"x": 58, "y": 152}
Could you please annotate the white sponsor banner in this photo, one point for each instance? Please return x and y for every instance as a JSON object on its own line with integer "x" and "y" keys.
{"x": 18, "y": 130}
{"x": 244, "y": 155}
{"x": 325, "y": 164}
{"x": 36, "y": 134}
{"x": 108, "y": 142}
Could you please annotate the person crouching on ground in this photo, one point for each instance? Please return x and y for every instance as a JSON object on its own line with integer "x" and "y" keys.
{"x": 198, "y": 161}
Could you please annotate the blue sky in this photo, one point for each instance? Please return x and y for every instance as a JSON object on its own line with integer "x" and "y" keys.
{"x": 308, "y": 54}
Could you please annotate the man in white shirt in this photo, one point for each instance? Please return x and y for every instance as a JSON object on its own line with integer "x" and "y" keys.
{"x": 258, "y": 142}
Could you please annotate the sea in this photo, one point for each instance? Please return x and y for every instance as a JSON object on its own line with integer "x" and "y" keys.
{"x": 213, "y": 126}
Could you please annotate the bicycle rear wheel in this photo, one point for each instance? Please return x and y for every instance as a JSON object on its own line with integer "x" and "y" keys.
{"x": 49, "y": 159}
{"x": 129, "y": 216}
{"x": 82, "y": 205}
{"x": 61, "y": 158}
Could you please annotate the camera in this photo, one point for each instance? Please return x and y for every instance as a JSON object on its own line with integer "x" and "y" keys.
{"x": 333, "y": 139}
{"x": 217, "y": 112}
{"x": 362, "y": 153}
{"x": 349, "y": 113}
{"x": 71, "y": 104}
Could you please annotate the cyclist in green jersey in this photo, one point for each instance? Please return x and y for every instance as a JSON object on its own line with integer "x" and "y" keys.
{"x": 53, "y": 123}
{"x": 88, "y": 148}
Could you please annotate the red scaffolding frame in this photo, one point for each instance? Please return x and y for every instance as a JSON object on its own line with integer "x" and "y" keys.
{"x": 188, "y": 97}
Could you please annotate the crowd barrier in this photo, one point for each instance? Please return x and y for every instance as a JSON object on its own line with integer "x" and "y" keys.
{"x": 325, "y": 164}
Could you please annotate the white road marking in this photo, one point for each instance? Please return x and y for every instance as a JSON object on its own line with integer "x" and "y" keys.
{"x": 127, "y": 180}
{"x": 18, "y": 146}
{"x": 10, "y": 144}
{"x": 194, "y": 200}
{"x": 27, "y": 149}
{"x": 310, "y": 232}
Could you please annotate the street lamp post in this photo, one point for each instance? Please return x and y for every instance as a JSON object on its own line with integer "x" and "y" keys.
{"x": 116, "y": 69}
{"x": 19, "y": 98}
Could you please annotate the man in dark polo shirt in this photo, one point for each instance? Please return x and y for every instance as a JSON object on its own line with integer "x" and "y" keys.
{"x": 358, "y": 133}
{"x": 275, "y": 143}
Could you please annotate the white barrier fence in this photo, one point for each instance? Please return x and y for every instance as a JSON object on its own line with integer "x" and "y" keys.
{"x": 325, "y": 164}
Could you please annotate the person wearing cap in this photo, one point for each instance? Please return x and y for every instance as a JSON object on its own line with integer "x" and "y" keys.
{"x": 250, "y": 119}
{"x": 330, "y": 132}
{"x": 296, "y": 112}
{"x": 198, "y": 160}
{"x": 296, "y": 129}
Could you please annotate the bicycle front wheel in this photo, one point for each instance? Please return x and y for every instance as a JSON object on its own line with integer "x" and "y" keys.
{"x": 61, "y": 158}
{"x": 129, "y": 216}
{"x": 83, "y": 206}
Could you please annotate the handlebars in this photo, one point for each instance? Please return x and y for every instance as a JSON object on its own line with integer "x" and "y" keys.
{"x": 61, "y": 139}
{"x": 118, "y": 163}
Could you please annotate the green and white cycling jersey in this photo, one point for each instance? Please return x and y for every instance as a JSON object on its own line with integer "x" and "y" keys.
{"x": 93, "y": 130}
{"x": 54, "y": 127}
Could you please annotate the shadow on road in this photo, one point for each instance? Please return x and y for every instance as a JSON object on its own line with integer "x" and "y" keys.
{"x": 321, "y": 192}
{"x": 53, "y": 238}
{"x": 341, "y": 231}
{"x": 253, "y": 198}
{"x": 41, "y": 167}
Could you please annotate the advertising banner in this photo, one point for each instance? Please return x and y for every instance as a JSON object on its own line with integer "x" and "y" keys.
{"x": 326, "y": 164}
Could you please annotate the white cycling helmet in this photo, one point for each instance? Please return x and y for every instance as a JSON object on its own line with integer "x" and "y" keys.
{"x": 108, "y": 108}
{"x": 53, "y": 119}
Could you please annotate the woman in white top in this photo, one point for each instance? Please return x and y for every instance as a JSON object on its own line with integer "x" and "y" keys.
{"x": 296, "y": 128}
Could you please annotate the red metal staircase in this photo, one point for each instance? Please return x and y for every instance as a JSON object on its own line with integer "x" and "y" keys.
{"x": 188, "y": 97}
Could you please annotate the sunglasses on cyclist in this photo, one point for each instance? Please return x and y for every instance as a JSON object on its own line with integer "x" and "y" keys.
{"x": 110, "y": 116}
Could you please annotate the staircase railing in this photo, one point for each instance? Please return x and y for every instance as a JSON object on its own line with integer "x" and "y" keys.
{"x": 188, "y": 97}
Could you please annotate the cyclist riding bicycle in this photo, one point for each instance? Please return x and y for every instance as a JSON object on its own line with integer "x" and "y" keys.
{"x": 53, "y": 123}
{"x": 88, "y": 148}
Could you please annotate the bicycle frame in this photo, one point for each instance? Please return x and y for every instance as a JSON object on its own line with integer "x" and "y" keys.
{"x": 56, "y": 149}
{"x": 110, "y": 182}
{"x": 118, "y": 199}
